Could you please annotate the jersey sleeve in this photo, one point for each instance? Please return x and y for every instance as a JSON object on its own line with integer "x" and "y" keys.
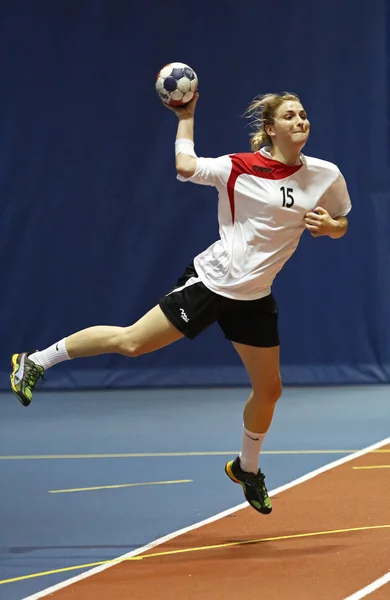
{"x": 336, "y": 199}
{"x": 211, "y": 171}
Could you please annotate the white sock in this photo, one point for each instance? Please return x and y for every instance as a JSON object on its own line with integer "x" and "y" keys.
{"x": 51, "y": 356}
{"x": 251, "y": 446}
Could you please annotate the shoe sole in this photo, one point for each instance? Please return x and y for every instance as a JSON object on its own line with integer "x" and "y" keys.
{"x": 229, "y": 473}
{"x": 15, "y": 367}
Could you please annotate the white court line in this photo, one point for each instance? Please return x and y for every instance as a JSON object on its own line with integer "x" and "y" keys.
{"x": 216, "y": 517}
{"x": 370, "y": 588}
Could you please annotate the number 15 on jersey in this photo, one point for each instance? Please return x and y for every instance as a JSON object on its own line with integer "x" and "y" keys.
{"x": 288, "y": 199}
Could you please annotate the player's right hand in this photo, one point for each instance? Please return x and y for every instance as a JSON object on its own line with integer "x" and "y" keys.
{"x": 184, "y": 112}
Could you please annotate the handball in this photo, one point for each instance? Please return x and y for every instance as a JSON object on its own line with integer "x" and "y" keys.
{"x": 176, "y": 84}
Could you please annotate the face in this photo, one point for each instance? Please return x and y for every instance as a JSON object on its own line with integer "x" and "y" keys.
{"x": 290, "y": 125}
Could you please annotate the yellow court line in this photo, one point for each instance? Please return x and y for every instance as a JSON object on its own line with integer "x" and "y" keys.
{"x": 161, "y": 454}
{"x": 257, "y": 541}
{"x": 199, "y": 549}
{"x": 121, "y": 485}
{"x": 373, "y": 467}
{"x": 124, "y": 455}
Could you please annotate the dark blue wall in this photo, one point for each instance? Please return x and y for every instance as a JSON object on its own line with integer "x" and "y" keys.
{"x": 94, "y": 226}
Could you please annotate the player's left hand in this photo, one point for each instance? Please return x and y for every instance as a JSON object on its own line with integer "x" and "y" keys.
{"x": 319, "y": 222}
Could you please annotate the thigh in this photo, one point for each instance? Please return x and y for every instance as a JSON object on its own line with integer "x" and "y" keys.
{"x": 252, "y": 323}
{"x": 262, "y": 366}
{"x": 151, "y": 332}
{"x": 191, "y": 307}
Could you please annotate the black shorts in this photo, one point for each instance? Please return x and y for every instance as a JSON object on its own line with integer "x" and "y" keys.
{"x": 191, "y": 307}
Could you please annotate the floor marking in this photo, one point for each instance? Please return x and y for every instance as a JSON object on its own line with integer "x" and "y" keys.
{"x": 198, "y": 549}
{"x": 373, "y": 467}
{"x": 216, "y": 517}
{"x": 258, "y": 541}
{"x": 375, "y": 585}
{"x": 121, "y": 485}
{"x": 161, "y": 454}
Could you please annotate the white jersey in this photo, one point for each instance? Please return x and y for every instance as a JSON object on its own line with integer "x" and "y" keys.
{"x": 261, "y": 210}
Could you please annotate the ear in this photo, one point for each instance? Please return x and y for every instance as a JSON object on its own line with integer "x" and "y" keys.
{"x": 269, "y": 130}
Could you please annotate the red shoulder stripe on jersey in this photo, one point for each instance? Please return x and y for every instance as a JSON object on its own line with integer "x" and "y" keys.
{"x": 258, "y": 165}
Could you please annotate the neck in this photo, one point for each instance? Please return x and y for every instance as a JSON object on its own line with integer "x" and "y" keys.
{"x": 290, "y": 157}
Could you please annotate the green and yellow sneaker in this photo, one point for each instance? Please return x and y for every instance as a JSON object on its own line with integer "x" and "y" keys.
{"x": 24, "y": 376}
{"x": 253, "y": 485}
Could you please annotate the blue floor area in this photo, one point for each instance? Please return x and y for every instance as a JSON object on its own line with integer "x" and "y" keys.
{"x": 43, "y": 531}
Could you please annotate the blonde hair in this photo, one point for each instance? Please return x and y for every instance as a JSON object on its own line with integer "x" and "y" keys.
{"x": 262, "y": 111}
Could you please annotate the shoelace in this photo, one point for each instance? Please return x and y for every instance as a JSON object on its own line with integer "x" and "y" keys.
{"x": 258, "y": 483}
{"x": 33, "y": 374}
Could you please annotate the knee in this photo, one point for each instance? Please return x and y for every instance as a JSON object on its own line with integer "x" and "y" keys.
{"x": 271, "y": 392}
{"x": 128, "y": 343}
{"x": 275, "y": 390}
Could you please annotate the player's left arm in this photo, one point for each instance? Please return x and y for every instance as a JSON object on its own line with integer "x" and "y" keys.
{"x": 329, "y": 217}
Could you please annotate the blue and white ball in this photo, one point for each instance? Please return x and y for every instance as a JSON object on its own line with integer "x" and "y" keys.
{"x": 176, "y": 84}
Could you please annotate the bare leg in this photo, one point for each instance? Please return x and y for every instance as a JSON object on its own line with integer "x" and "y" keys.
{"x": 151, "y": 332}
{"x": 262, "y": 365}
